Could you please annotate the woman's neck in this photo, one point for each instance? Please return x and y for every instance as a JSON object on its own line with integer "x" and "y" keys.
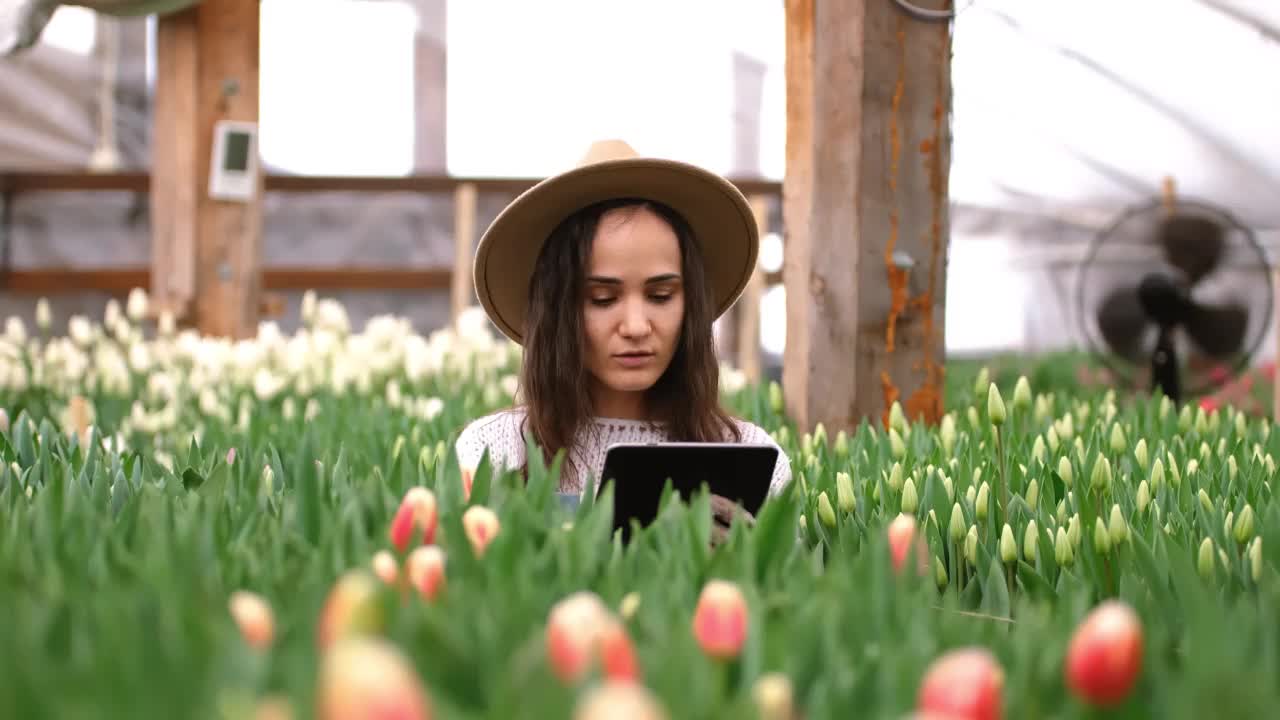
{"x": 621, "y": 405}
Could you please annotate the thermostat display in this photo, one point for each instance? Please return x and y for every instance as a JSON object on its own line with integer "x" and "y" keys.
{"x": 233, "y": 167}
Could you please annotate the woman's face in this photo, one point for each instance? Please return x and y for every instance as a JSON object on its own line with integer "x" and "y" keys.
{"x": 633, "y": 309}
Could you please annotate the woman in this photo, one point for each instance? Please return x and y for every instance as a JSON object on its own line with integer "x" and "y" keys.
{"x": 610, "y": 275}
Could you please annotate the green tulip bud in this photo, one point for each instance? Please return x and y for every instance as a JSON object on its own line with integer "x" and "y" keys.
{"x": 1043, "y": 410}
{"x": 1232, "y": 470}
{"x": 1118, "y": 528}
{"x": 897, "y": 448}
{"x": 844, "y": 492}
{"x": 1051, "y": 437}
{"x": 1080, "y": 451}
{"x": 1165, "y": 406}
{"x": 820, "y": 436}
{"x": 897, "y": 420}
{"x": 957, "y": 528}
{"x": 895, "y": 477}
{"x": 981, "y": 508}
{"x": 1073, "y": 530}
{"x": 1101, "y": 477}
{"x": 1037, "y": 450}
{"x": 1144, "y": 496}
{"x": 1008, "y": 546}
{"x": 1101, "y": 540}
{"x": 971, "y": 546}
{"x": 1140, "y": 453}
{"x": 1214, "y": 421}
{"x": 1029, "y": 542}
{"x": 947, "y": 433}
{"x": 1118, "y": 443}
{"x": 826, "y": 513}
{"x": 1242, "y": 425}
{"x": 1202, "y": 422}
{"x": 1157, "y": 474}
{"x": 981, "y": 381}
{"x": 910, "y": 502}
{"x": 1062, "y": 550}
{"x": 1033, "y": 493}
{"x": 1064, "y": 470}
{"x": 1061, "y": 513}
{"x": 1184, "y": 419}
{"x": 1255, "y": 559}
{"x": 775, "y": 396}
{"x": 1205, "y": 561}
{"x": 972, "y": 414}
{"x": 1205, "y": 502}
{"x": 971, "y": 494}
{"x": 1244, "y": 524}
{"x": 842, "y": 444}
{"x": 939, "y": 573}
{"x": 995, "y": 406}
{"x": 1022, "y": 394}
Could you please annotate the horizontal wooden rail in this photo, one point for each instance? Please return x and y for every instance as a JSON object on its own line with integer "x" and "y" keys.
{"x": 119, "y": 281}
{"x": 140, "y": 182}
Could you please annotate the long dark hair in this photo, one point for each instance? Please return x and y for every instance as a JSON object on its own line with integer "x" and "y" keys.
{"x": 553, "y": 374}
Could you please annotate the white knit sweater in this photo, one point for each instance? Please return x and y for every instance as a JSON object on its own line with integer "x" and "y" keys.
{"x": 501, "y": 434}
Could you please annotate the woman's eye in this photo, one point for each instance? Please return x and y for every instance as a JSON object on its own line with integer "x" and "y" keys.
{"x": 661, "y": 297}
{"x": 601, "y": 301}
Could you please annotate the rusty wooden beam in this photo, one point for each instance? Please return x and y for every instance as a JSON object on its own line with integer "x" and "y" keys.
{"x": 119, "y": 281}
{"x": 75, "y": 180}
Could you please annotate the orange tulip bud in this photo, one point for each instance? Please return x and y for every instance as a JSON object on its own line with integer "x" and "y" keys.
{"x": 384, "y": 566}
{"x": 901, "y": 533}
{"x": 351, "y": 608}
{"x": 425, "y": 568}
{"x": 720, "y": 620}
{"x": 619, "y": 699}
{"x": 254, "y": 617}
{"x": 481, "y": 525}
{"x": 365, "y": 678}
{"x": 417, "y": 512}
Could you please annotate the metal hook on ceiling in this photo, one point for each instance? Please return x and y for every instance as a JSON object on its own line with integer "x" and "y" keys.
{"x": 929, "y": 15}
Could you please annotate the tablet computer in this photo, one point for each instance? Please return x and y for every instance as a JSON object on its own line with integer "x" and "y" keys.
{"x": 741, "y": 472}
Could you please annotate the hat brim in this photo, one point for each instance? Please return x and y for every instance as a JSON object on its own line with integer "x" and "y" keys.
{"x": 719, "y": 215}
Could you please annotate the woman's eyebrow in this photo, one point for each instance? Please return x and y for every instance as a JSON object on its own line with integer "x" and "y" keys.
{"x": 603, "y": 280}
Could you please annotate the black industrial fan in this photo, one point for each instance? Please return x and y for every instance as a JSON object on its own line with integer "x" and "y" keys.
{"x": 1175, "y": 296}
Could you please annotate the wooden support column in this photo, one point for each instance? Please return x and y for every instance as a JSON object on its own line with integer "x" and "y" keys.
{"x": 206, "y": 253}
{"x": 464, "y": 232}
{"x": 865, "y": 209}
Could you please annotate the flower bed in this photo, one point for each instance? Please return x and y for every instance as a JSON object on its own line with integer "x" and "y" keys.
{"x": 277, "y": 528}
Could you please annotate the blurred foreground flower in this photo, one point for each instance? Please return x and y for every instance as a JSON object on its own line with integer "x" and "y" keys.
{"x": 482, "y": 526}
{"x": 619, "y": 700}
{"x": 774, "y": 697}
{"x": 720, "y": 620}
{"x": 417, "y": 514}
{"x": 581, "y": 633}
{"x": 902, "y": 537}
{"x": 425, "y": 568}
{"x": 1104, "y": 657}
{"x": 351, "y": 608}
{"x": 965, "y": 683}
{"x": 365, "y": 678}
{"x": 253, "y": 615}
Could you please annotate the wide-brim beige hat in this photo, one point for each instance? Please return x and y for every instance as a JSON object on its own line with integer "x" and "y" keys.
{"x": 718, "y": 213}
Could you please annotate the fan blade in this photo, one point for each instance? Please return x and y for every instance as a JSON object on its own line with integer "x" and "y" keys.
{"x": 1195, "y": 245}
{"x": 1121, "y": 321}
{"x": 1218, "y": 330}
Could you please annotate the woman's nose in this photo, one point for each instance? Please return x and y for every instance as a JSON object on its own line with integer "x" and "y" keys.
{"x": 635, "y": 319}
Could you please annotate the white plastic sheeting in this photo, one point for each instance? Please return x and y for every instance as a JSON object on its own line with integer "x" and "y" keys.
{"x": 1064, "y": 115}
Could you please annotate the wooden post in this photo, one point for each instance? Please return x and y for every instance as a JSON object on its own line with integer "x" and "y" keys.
{"x": 206, "y": 253}
{"x": 749, "y": 304}
{"x": 464, "y": 230}
{"x": 865, "y": 207}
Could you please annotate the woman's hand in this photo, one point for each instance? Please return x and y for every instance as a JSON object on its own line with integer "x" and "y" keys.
{"x": 723, "y": 512}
